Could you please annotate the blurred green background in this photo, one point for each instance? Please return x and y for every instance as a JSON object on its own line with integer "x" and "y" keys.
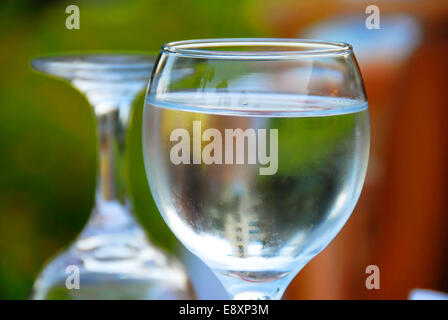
{"x": 47, "y": 130}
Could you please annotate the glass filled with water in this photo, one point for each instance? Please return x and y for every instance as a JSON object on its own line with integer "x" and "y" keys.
{"x": 256, "y": 151}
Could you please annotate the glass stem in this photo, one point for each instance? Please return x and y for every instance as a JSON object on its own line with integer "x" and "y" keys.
{"x": 111, "y": 156}
{"x": 240, "y": 289}
{"x": 111, "y": 201}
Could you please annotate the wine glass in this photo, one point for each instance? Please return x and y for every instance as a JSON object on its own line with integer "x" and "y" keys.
{"x": 257, "y": 157}
{"x": 112, "y": 257}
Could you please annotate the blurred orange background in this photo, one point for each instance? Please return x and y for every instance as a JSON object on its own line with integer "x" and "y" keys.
{"x": 401, "y": 222}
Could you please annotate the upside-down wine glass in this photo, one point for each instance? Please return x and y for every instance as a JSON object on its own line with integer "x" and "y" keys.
{"x": 256, "y": 158}
{"x": 112, "y": 256}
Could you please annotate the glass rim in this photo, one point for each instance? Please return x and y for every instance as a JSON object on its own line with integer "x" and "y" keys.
{"x": 203, "y": 48}
{"x": 94, "y": 61}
